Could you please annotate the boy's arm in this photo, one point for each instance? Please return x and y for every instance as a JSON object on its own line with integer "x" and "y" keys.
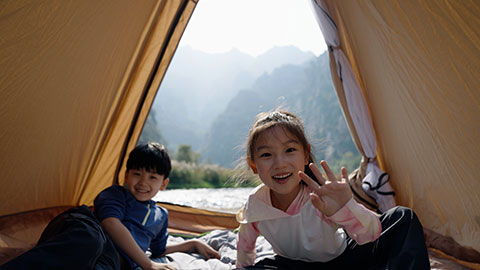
{"x": 125, "y": 241}
{"x": 193, "y": 245}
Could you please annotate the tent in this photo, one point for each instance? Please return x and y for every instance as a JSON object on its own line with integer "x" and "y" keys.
{"x": 77, "y": 80}
{"x": 407, "y": 74}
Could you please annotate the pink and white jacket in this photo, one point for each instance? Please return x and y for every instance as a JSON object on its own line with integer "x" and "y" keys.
{"x": 301, "y": 232}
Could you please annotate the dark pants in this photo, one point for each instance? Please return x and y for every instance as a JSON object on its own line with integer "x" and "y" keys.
{"x": 400, "y": 246}
{"x": 72, "y": 240}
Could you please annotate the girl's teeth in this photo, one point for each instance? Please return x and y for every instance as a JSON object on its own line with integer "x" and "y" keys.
{"x": 282, "y": 176}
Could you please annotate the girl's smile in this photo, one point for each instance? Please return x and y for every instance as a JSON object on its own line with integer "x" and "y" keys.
{"x": 282, "y": 178}
{"x": 277, "y": 158}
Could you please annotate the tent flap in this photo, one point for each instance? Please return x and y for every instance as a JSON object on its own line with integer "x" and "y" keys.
{"x": 418, "y": 64}
{"x": 74, "y": 76}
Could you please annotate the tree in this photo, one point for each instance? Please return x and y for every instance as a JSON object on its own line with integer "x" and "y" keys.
{"x": 185, "y": 153}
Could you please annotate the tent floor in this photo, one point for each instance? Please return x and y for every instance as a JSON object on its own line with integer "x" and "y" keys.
{"x": 441, "y": 261}
{"x": 20, "y": 232}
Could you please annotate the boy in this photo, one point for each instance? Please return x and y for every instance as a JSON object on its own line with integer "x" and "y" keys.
{"x": 133, "y": 221}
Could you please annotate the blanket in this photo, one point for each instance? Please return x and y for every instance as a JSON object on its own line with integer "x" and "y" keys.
{"x": 224, "y": 241}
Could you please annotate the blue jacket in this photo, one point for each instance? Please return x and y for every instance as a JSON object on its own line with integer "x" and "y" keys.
{"x": 146, "y": 221}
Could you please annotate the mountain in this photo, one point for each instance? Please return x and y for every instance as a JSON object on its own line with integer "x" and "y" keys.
{"x": 306, "y": 90}
{"x": 198, "y": 86}
{"x": 279, "y": 56}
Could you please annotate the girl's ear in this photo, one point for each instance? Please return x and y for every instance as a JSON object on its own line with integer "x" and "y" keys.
{"x": 307, "y": 154}
{"x": 252, "y": 165}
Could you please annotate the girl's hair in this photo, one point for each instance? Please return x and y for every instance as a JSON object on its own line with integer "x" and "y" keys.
{"x": 287, "y": 121}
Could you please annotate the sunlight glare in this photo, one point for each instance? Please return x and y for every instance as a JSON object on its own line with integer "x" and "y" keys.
{"x": 253, "y": 26}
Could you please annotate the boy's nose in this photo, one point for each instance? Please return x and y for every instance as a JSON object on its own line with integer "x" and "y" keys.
{"x": 142, "y": 180}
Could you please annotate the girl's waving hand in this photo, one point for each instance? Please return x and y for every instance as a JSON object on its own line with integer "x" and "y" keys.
{"x": 332, "y": 194}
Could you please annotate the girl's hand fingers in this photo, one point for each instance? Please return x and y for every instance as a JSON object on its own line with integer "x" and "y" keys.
{"x": 327, "y": 170}
{"x": 344, "y": 174}
{"x": 318, "y": 174}
{"x": 314, "y": 186}
{"x": 309, "y": 181}
{"x": 317, "y": 202}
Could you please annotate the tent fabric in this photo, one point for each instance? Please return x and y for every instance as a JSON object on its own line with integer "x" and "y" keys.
{"x": 358, "y": 113}
{"x": 193, "y": 221}
{"x": 77, "y": 78}
{"x": 182, "y": 16}
{"x": 418, "y": 65}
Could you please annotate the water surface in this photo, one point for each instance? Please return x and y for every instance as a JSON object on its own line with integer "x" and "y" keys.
{"x": 220, "y": 199}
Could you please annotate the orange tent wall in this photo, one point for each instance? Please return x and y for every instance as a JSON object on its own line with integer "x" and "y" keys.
{"x": 419, "y": 67}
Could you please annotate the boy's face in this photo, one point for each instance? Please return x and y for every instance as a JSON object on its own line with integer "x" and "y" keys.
{"x": 144, "y": 185}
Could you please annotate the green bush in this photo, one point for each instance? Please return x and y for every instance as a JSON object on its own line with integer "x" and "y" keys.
{"x": 349, "y": 160}
{"x": 191, "y": 175}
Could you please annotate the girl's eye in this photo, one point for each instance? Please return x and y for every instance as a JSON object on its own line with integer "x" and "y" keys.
{"x": 291, "y": 149}
{"x": 265, "y": 155}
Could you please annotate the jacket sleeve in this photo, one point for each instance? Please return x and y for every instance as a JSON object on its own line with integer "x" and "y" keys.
{"x": 361, "y": 224}
{"x": 246, "y": 238}
{"x": 159, "y": 243}
{"x": 110, "y": 203}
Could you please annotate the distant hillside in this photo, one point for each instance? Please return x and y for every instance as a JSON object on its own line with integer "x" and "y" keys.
{"x": 209, "y": 101}
{"x": 306, "y": 90}
{"x": 198, "y": 86}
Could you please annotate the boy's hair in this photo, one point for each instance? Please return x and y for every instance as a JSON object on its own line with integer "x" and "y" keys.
{"x": 153, "y": 157}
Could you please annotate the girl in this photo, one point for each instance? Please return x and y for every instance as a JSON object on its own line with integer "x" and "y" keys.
{"x": 311, "y": 219}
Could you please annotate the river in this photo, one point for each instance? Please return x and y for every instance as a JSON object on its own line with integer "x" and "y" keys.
{"x": 218, "y": 199}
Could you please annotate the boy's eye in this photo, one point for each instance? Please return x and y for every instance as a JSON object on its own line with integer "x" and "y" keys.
{"x": 291, "y": 149}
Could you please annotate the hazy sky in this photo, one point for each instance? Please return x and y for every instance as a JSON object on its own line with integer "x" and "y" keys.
{"x": 253, "y": 26}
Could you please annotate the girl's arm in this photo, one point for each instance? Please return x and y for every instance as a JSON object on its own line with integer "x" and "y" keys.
{"x": 361, "y": 224}
{"x": 246, "y": 238}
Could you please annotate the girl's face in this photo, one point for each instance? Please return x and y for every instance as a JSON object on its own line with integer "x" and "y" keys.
{"x": 277, "y": 158}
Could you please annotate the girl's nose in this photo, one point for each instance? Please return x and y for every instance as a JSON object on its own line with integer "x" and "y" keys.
{"x": 279, "y": 161}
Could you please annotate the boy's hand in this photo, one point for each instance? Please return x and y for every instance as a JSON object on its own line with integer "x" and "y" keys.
{"x": 193, "y": 245}
{"x": 331, "y": 194}
{"x": 205, "y": 250}
{"x": 162, "y": 266}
